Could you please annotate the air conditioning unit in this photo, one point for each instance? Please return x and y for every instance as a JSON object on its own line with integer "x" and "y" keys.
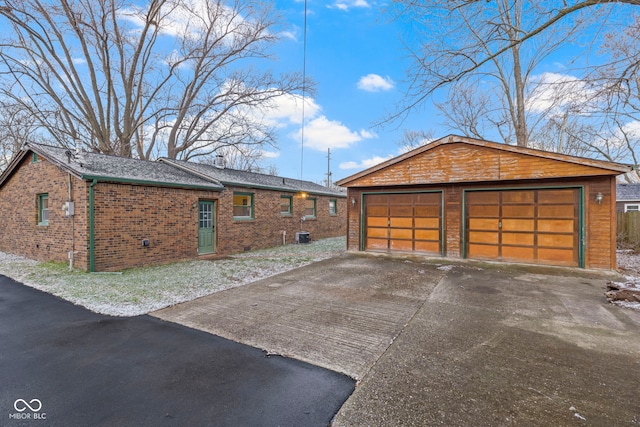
{"x": 303, "y": 237}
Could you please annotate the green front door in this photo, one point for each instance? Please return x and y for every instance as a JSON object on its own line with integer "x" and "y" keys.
{"x": 206, "y": 228}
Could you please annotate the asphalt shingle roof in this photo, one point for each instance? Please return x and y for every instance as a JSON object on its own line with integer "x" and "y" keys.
{"x": 626, "y": 192}
{"x": 94, "y": 165}
{"x": 241, "y": 178}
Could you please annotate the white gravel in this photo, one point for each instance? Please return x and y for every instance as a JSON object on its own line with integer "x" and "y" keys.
{"x": 141, "y": 290}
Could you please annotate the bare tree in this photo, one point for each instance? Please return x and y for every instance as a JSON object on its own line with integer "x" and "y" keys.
{"x": 500, "y": 42}
{"x": 17, "y": 126}
{"x": 414, "y": 138}
{"x": 241, "y": 157}
{"x": 174, "y": 76}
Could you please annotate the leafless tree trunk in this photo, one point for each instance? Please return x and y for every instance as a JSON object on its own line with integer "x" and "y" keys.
{"x": 460, "y": 42}
{"x": 172, "y": 77}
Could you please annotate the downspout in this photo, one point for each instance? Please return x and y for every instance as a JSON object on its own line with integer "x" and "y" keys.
{"x": 92, "y": 259}
{"x": 73, "y": 231}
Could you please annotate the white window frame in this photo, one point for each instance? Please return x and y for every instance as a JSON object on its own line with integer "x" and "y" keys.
{"x": 632, "y": 207}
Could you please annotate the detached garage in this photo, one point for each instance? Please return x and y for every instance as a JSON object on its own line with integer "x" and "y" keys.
{"x": 465, "y": 198}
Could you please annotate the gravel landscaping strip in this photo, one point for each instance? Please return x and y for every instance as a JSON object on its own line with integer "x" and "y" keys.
{"x": 142, "y": 290}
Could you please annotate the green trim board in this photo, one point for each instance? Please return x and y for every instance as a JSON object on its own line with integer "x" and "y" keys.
{"x": 43, "y": 209}
{"x": 251, "y": 206}
{"x": 363, "y": 216}
{"x": 289, "y": 211}
{"x": 92, "y": 230}
{"x": 334, "y": 211}
{"x": 266, "y": 187}
{"x": 315, "y": 208}
{"x": 146, "y": 182}
{"x": 581, "y": 214}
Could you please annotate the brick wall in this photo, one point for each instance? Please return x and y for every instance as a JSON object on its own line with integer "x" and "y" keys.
{"x": 265, "y": 229}
{"x": 19, "y": 230}
{"x": 168, "y": 217}
{"x": 127, "y": 214}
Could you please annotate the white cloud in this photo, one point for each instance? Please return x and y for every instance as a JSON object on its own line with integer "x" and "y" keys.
{"x": 270, "y": 154}
{"x": 375, "y": 83}
{"x": 558, "y": 91}
{"x": 189, "y": 19}
{"x": 632, "y": 129}
{"x": 322, "y": 133}
{"x": 287, "y": 109}
{"x": 289, "y": 35}
{"x": 364, "y": 164}
{"x": 346, "y": 5}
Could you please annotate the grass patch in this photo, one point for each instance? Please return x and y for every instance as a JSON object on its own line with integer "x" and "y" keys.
{"x": 141, "y": 290}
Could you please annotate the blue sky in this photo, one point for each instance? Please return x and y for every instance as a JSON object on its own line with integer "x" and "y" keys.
{"x": 359, "y": 64}
{"x": 357, "y": 61}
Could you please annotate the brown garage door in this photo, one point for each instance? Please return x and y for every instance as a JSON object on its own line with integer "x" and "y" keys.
{"x": 539, "y": 226}
{"x": 406, "y": 222}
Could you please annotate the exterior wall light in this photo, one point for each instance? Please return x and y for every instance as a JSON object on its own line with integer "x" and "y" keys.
{"x": 599, "y": 198}
{"x": 353, "y": 202}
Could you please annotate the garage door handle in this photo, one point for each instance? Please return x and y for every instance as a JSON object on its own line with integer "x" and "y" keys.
{"x": 499, "y": 224}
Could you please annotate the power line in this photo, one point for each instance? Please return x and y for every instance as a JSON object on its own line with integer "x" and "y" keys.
{"x": 304, "y": 83}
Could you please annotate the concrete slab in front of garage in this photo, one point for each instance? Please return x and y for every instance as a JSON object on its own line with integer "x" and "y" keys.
{"x": 341, "y": 313}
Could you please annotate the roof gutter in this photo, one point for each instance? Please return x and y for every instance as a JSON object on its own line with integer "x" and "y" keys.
{"x": 283, "y": 189}
{"x": 146, "y": 182}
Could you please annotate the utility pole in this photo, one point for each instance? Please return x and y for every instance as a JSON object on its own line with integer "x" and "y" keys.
{"x": 328, "y": 167}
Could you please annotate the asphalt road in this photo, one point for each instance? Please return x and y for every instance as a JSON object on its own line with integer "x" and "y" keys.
{"x": 61, "y": 365}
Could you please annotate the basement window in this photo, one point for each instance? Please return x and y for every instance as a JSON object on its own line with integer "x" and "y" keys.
{"x": 242, "y": 205}
{"x": 43, "y": 209}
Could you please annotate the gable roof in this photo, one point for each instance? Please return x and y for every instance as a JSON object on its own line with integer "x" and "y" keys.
{"x": 239, "y": 178}
{"x": 479, "y": 160}
{"x": 102, "y": 167}
{"x": 627, "y": 192}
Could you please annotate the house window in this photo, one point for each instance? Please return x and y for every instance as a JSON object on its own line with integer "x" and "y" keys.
{"x": 310, "y": 208}
{"x": 286, "y": 205}
{"x": 242, "y": 206}
{"x": 631, "y": 207}
{"x": 34, "y": 157}
{"x": 333, "y": 207}
{"x": 43, "y": 209}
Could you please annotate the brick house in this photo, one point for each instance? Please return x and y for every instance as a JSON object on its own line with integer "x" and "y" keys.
{"x": 110, "y": 213}
{"x": 466, "y": 198}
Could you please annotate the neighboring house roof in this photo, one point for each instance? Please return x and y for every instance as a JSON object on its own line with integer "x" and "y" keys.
{"x": 627, "y": 192}
{"x": 102, "y": 167}
{"x": 239, "y": 178}
{"x": 511, "y": 153}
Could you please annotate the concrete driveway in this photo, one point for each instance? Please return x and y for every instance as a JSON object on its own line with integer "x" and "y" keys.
{"x": 462, "y": 344}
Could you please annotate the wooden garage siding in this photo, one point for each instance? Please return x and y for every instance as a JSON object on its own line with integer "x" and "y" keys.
{"x": 467, "y": 163}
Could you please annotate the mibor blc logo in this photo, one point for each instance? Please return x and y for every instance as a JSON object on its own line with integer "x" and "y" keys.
{"x": 28, "y": 410}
